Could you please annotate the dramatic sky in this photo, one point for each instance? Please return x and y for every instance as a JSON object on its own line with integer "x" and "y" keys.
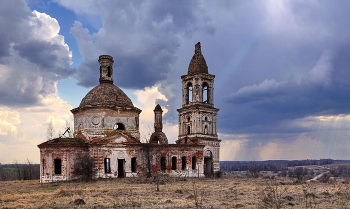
{"x": 282, "y": 69}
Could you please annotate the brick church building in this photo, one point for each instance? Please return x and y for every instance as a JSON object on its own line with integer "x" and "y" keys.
{"x": 106, "y": 129}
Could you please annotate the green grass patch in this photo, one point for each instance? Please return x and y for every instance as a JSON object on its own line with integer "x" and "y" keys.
{"x": 8, "y": 169}
{"x": 49, "y": 189}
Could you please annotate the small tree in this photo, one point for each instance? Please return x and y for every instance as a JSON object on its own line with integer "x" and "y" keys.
{"x": 84, "y": 167}
{"x": 147, "y": 147}
{"x": 300, "y": 172}
{"x": 254, "y": 170}
{"x": 50, "y": 131}
{"x": 26, "y": 171}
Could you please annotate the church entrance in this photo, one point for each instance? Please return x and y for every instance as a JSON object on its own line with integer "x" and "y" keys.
{"x": 121, "y": 171}
{"x": 208, "y": 163}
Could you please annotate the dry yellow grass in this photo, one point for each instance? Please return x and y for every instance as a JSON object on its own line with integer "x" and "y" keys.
{"x": 192, "y": 193}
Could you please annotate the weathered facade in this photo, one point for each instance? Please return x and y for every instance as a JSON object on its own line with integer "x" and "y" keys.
{"x": 106, "y": 128}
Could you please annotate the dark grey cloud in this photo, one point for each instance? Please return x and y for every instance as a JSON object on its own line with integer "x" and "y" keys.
{"x": 14, "y": 16}
{"x": 142, "y": 37}
{"x": 33, "y": 56}
{"x": 39, "y": 52}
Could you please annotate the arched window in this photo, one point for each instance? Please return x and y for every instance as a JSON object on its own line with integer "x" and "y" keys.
{"x": 133, "y": 164}
{"x": 173, "y": 163}
{"x": 194, "y": 163}
{"x": 183, "y": 163}
{"x": 58, "y": 166}
{"x": 163, "y": 163}
{"x": 188, "y": 129}
{"x": 205, "y": 92}
{"x": 119, "y": 126}
{"x": 189, "y": 93}
{"x": 107, "y": 165}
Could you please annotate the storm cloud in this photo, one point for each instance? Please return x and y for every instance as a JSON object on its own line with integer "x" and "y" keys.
{"x": 143, "y": 37}
{"x": 33, "y": 57}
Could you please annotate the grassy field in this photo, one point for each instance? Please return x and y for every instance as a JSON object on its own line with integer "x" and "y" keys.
{"x": 175, "y": 193}
{"x": 8, "y": 169}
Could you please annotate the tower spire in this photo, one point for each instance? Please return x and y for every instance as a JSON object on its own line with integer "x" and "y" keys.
{"x": 197, "y": 64}
{"x": 158, "y": 123}
{"x": 158, "y": 137}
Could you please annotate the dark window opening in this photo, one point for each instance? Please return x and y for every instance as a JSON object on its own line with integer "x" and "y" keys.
{"x": 119, "y": 126}
{"x": 205, "y": 92}
{"x": 189, "y": 93}
{"x": 188, "y": 129}
{"x": 206, "y": 118}
{"x": 121, "y": 172}
{"x": 173, "y": 163}
{"x": 194, "y": 163}
{"x": 163, "y": 163}
{"x": 137, "y": 122}
{"x": 183, "y": 164}
{"x": 107, "y": 165}
{"x": 58, "y": 166}
{"x": 43, "y": 166}
{"x": 205, "y": 129}
{"x": 154, "y": 140}
{"x": 109, "y": 71}
{"x": 133, "y": 164}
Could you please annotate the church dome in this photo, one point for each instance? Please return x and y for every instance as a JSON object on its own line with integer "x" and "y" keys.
{"x": 197, "y": 64}
{"x": 106, "y": 94}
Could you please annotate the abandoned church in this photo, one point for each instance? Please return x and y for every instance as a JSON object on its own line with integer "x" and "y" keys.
{"x": 106, "y": 129}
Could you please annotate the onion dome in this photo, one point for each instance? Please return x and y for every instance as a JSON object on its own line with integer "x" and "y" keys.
{"x": 197, "y": 64}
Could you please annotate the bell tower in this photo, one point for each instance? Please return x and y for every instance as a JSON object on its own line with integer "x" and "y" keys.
{"x": 198, "y": 116}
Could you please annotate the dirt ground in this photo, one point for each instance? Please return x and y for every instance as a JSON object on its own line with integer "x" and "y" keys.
{"x": 175, "y": 193}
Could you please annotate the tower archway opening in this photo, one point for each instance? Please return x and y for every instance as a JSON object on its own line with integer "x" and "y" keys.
{"x": 205, "y": 92}
{"x": 189, "y": 89}
{"x": 208, "y": 163}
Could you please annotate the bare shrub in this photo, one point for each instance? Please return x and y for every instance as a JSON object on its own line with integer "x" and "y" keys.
{"x": 310, "y": 195}
{"x": 253, "y": 171}
{"x": 271, "y": 195}
{"x": 197, "y": 195}
{"x": 84, "y": 167}
{"x": 325, "y": 178}
{"x": 26, "y": 171}
{"x": 300, "y": 173}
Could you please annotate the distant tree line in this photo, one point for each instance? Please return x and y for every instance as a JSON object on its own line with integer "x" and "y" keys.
{"x": 270, "y": 165}
{"x": 16, "y": 171}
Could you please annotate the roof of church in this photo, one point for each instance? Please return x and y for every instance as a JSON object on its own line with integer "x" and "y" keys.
{"x": 64, "y": 142}
{"x": 197, "y": 64}
{"x": 106, "y": 94}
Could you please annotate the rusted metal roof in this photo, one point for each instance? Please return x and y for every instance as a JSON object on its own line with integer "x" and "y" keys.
{"x": 106, "y": 94}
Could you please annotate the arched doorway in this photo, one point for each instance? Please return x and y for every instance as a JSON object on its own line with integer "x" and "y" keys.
{"x": 208, "y": 163}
